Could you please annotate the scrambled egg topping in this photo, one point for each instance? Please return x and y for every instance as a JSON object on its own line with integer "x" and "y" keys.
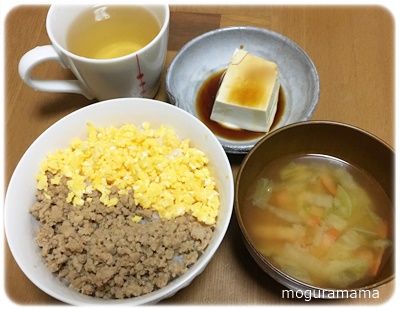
{"x": 165, "y": 173}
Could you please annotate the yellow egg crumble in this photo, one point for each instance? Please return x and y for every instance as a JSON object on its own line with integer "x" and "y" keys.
{"x": 165, "y": 173}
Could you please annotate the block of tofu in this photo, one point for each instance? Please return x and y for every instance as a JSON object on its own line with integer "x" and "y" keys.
{"x": 248, "y": 95}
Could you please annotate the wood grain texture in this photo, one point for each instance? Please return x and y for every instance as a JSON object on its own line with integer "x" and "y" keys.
{"x": 352, "y": 48}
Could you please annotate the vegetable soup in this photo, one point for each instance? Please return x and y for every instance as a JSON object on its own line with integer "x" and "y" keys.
{"x": 320, "y": 220}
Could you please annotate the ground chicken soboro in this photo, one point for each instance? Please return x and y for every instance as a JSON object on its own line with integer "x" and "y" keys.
{"x": 99, "y": 236}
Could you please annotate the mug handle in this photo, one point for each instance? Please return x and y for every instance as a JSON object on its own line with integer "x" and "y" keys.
{"x": 47, "y": 53}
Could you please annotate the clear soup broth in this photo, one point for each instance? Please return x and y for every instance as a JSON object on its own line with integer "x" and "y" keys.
{"x": 320, "y": 220}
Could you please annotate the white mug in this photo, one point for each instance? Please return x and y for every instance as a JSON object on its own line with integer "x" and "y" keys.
{"x": 134, "y": 75}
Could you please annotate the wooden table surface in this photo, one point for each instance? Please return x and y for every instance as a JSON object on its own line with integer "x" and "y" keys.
{"x": 352, "y": 48}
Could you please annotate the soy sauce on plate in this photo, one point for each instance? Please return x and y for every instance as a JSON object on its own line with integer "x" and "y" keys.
{"x": 205, "y": 102}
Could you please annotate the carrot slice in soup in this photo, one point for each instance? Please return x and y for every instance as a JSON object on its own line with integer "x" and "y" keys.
{"x": 328, "y": 183}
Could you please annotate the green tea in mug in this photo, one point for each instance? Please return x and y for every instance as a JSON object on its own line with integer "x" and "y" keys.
{"x": 105, "y": 32}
